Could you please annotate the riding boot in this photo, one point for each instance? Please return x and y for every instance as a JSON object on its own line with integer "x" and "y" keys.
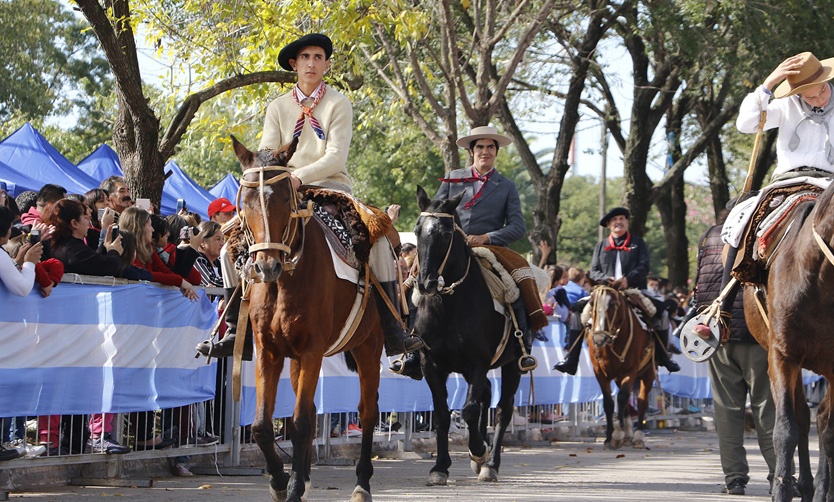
{"x": 526, "y": 362}
{"x": 397, "y": 341}
{"x": 703, "y": 330}
{"x": 570, "y": 363}
{"x": 226, "y": 346}
{"x": 408, "y": 366}
{"x": 661, "y": 340}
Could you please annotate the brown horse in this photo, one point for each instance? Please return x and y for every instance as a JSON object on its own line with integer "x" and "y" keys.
{"x": 298, "y": 315}
{"x": 621, "y": 350}
{"x": 797, "y": 334}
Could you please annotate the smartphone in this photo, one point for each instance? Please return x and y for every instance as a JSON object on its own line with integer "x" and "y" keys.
{"x": 114, "y": 232}
{"x": 180, "y": 205}
{"x": 3, "y": 186}
{"x": 146, "y": 204}
{"x": 34, "y": 236}
{"x": 101, "y": 213}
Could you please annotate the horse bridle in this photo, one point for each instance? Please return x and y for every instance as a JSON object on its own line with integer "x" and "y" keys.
{"x": 609, "y": 337}
{"x": 441, "y": 283}
{"x": 289, "y": 257}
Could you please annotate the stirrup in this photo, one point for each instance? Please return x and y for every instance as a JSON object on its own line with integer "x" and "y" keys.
{"x": 699, "y": 349}
{"x": 398, "y": 369}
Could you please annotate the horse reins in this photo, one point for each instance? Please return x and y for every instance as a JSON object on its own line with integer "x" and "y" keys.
{"x": 289, "y": 260}
{"x": 441, "y": 287}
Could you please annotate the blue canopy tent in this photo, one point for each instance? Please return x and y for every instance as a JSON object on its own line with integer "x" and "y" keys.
{"x": 180, "y": 186}
{"x": 29, "y": 153}
{"x": 17, "y": 183}
{"x": 227, "y": 187}
{"x": 102, "y": 163}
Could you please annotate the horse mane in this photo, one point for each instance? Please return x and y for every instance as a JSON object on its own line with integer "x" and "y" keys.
{"x": 822, "y": 204}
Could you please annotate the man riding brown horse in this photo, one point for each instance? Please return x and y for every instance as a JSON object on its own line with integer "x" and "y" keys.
{"x": 321, "y": 118}
{"x": 621, "y": 261}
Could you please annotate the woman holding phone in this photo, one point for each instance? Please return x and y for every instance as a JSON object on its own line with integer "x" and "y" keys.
{"x": 71, "y": 220}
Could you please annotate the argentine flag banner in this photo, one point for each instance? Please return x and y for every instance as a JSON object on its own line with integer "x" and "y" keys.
{"x": 93, "y": 348}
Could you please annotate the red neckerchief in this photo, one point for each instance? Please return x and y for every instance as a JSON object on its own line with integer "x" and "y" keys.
{"x": 613, "y": 247}
{"x": 475, "y": 177}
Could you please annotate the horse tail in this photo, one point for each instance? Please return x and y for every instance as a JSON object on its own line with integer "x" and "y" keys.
{"x": 350, "y": 362}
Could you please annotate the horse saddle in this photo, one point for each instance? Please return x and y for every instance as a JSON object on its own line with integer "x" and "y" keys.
{"x": 773, "y": 217}
{"x": 350, "y": 225}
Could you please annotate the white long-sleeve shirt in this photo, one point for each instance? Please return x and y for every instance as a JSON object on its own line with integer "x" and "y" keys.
{"x": 19, "y": 282}
{"x": 786, "y": 113}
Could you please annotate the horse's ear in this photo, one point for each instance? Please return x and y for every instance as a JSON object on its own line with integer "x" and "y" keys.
{"x": 423, "y": 200}
{"x": 285, "y": 153}
{"x": 455, "y": 201}
{"x": 243, "y": 154}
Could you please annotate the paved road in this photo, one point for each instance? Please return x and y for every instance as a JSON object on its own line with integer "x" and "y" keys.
{"x": 677, "y": 466}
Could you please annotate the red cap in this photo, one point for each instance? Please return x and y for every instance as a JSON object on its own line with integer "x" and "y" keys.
{"x": 221, "y": 205}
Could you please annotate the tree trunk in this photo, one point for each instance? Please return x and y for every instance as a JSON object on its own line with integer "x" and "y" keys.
{"x": 672, "y": 207}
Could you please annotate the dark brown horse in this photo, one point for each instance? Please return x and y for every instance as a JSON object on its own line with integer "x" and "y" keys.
{"x": 298, "y": 314}
{"x": 797, "y": 333}
{"x": 463, "y": 332}
{"x": 621, "y": 350}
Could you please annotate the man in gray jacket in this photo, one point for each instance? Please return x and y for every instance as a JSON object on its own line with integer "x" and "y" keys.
{"x": 490, "y": 214}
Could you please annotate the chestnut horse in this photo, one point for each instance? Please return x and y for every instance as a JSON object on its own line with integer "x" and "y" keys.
{"x": 458, "y": 322}
{"x": 797, "y": 334}
{"x": 621, "y": 350}
{"x": 289, "y": 322}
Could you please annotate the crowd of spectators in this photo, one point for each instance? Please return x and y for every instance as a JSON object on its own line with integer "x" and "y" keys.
{"x": 48, "y": 233}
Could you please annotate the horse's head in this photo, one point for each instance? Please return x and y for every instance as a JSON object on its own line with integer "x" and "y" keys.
{"x": 607, "y": 315}
{"x": 267, "y": 206}
{"x": 436, "y": 230}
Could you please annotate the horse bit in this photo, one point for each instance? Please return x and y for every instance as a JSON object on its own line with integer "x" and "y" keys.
{"x": 288, "y": 258}
{"x": 441, "y": 283}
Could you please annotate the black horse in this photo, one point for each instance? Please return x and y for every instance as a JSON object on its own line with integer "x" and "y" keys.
{"x": 463, "y": 332}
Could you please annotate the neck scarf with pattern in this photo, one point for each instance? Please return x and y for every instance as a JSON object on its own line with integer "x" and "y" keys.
{"x": 307, "y": 105}
{"x": 472, "y": 179}
{"x": 623, "y": 246}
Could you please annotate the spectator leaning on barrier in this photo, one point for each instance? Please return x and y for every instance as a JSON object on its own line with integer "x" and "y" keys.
{"x": 208, "y": 263}
{"x": 71, "y": 220}
{"x": 180, "y": 259}
{"x": 18, "y": 277}
{"x": 138, "y": 222}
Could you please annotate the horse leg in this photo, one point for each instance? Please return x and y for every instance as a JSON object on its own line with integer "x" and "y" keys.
{"x": 805, "y": 481}
{"x": 305, "y": 376}
{"x": 367, "y": 362}
{"x": 642, "y": 406}
{"x": 623, "y": 427}
{"x": 436, "y": 379}
{"x": 478, "y": 396}
{"x": 267, "y": 370}
{"x": 822, "y": 481}
{"x": 510, "y": 378}
{"x": 608, "y": 407}
{"x": 785, "y": 429}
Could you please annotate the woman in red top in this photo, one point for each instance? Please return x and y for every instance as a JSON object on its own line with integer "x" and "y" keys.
{"x": 138, "y": 222}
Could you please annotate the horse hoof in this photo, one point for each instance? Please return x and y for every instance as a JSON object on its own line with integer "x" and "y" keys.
{"x": 476, "y": 466}
{"x": 360, "y": 495}
{"x": 488, "y": 475}
{"x": 437, "y": 479}
{"x": 278, "y": 496}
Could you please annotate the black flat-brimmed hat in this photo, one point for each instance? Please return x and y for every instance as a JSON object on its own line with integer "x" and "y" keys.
{"x": 617, "y": 211}
{"x": 290, "y": 51}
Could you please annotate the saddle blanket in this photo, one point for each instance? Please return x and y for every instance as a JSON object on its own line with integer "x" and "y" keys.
{"x": 736, "y": 223}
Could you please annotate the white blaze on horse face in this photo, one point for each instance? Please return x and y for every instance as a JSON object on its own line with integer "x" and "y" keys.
{"x": 602, "y": 308}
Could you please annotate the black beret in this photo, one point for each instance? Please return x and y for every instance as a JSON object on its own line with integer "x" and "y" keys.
{"x": 617, "y": 211}
{"x": 313, "y": 39}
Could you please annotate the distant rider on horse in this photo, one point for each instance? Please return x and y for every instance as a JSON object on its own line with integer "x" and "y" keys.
{"x": 622, "y": 262}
